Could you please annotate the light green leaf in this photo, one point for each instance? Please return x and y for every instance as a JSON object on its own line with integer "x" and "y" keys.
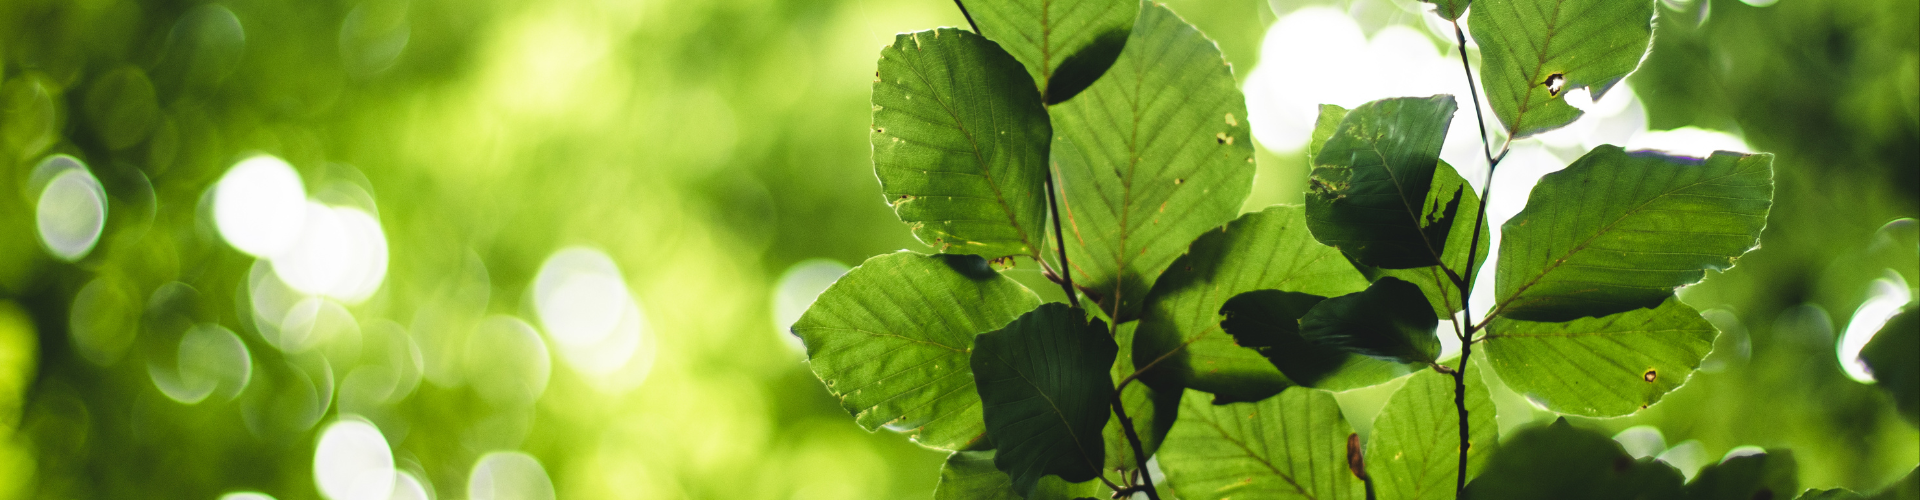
{"x": 1765, "y": 475}
{"x": 969, "y": 475}
{"x": 1065, "y": 44}
{"x": 1293, "y": 445}
{"x": 1449, "y": 9}
{"x": 1534, "y": 51}
{"x": 1617, "y": 231}
{"x": 1269, "y": 323}
{"x": 1152, "y": 410}
{"x": 1907, "y": 488}
{"x": 1434, "y": 281}
{"x": 1269, "y": 249}
{"x": 891, "y": 340}
{"x": 1150, "y": 156}
{"x": 1601, "y": 367}
{"x": 1560, "y": 462}
{"x": 1323, "y": 127}
{"x": 1045, "y": 383}
{"x": 1890, "y": 355}
{"x": 1385, "y": 322}
{"x": 1414, "y": 452}
{"x": 960, "y": 144}
{"x": 1368, "y": 193}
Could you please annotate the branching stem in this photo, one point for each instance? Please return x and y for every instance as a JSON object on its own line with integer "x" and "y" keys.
{"x": 1473, "y": 248}
{"x": 1060, "y": 243}
{"x": 1133, "y": 438}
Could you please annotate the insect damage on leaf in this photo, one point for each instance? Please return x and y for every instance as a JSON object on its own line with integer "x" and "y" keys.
{"x": 1555, "y": 83}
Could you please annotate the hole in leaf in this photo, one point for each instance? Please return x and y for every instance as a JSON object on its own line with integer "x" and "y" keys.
{"x": 1555, "y": 83}
{"x": 1650, "y": 375}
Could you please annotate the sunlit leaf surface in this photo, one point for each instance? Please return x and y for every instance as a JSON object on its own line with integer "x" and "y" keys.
{"x": 1608, "y": 366}
{"x": 1535, "y": 51}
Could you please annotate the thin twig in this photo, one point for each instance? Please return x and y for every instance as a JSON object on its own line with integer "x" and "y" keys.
{"x": 1133, "y": 438}
{"x": 1473, "y": 249}
{"x": 963, "y": 12}
{"x": 1060, "y": 243}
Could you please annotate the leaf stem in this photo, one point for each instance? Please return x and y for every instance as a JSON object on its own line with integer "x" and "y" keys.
{"x": 1133, "y": 438}
{"x": 1060, "y": 243}
{"x": 969, "y": 16}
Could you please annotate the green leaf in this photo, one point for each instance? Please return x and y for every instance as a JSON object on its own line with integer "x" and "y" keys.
{"x": 1269, "y": 249}
{"x": 1150, "y": 156}
{"x": 891, "y": 339}
{"x": 1269, "y": 323}
{"x": 969, "y": 475}
{"x": 1045, "y": 384}
{"x": 1561, "y": 462}
{"x": 1764, "y": 475}
{"x": 1448, "y": 189}
{"x": 1617, "y": 231}
{"x": 1525, "y": 43}
{"x": 1289, "y": 446}
{"x": 1890, "y": 355}
{"x": 1449, "y": 9}
{"x": 1385, "y": 322}
{"x": 960, "y": 144}
{"x": 1368, "y": 192}
{"x": 1152, "y": 410}
{"x": 1601, "y": 367}
{"x": 1064, "y": 44}
{"x": 1833, "y": 494}
{"x": 1414, "y": 452}
{"x": 1323, "y": 127}
{"x": 1908, "y": 487}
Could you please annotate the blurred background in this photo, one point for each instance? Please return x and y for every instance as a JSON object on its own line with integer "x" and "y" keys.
{"x": 473, "y": 249}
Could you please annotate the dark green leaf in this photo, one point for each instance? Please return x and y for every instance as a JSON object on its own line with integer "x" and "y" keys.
{"x": 1617, "y": 231}
{"x": 1269, "y": 249}
{"x": 1150, "y": 156}
{"x": 1764, "y": 475}
{"x": 969, "y": 475}
{"x": 1441, "y": 291}
{"x": 1152, "y": 410}
{"x": 1368, "y": 193}
{"x": 960, "y": 144}
{"x": 1601, "y": 367}
{"x": 890, "y": 340}
{"x": 1534, "y": 51}
{"x": 1065, "y": 44}
{"x": 1385, "y": 322}
{"x": 1891, "y": 356}
{"x": 1323, "y": 127}
{"x": 1293, "y": 445}
{"x": 1268, "y": 322}
{"x": 1449, "y": 9}
{"x": 1414, "y": 452}
{"x": 1907, "y": 488}
{"x": 1045, "y": 384}
{"x": 1560, "y": 462}
{"x": 1833, "y": 494}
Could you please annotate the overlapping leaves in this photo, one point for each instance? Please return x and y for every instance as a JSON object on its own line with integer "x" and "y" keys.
{"x": 1153, "y": 154}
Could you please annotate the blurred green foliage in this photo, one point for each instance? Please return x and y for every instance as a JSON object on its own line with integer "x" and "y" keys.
{"x": 705, "y": 147}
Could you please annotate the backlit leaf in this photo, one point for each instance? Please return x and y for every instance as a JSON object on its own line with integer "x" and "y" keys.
{"x": 1368, "y": 192}
{"x": 1601, "y": 367}
{"x": 1044, "y": 380}
{"x": 1064, "y": 44}
{"x": 1414, "y": 451}
{"x": 891, "y": 341}
{"x": 1534, "y": 51}
{"x": 1289, "y": 446}
{"x": 1153, "y": 154}
{"x": 960, "y": 144}
{"x": 1617, "y": 231}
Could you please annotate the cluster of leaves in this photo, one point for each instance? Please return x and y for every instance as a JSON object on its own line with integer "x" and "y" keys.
{"x": 1123, "y": 128}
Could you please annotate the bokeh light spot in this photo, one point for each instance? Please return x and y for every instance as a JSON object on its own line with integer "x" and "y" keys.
{"x": 213, "y": 361}
{"x": 103, "y": 321}
{"x": 71, "y": 213}
{"x": 1885, "y": 297}
{"x": 585, "y": 307}
{"x": 260, "y": 206}
{"x": 509, "y": 475}
{"x": 353, "y": 462}
{"x": 246, "y": 495}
